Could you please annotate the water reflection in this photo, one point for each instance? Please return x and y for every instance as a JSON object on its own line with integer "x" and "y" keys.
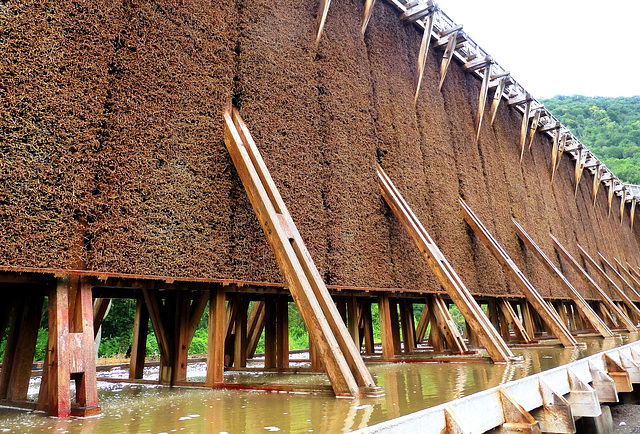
{"x": 409, "y": 387}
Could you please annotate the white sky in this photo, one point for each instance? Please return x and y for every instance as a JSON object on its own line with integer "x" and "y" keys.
{"x": 558, "y": 46}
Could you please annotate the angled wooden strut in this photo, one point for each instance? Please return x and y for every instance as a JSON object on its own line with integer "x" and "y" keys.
{"x": 484, "y": 91}
{"x": 597, "y": 179}
{"x": 323, "y": 10}
{"x": 580, "y": 162}
{"x": 524, "y": 128}
{"x": 345, "y": 368}
{"x": 625, "y": 298}
{"x": 501, "y": 84}
{"x": 424, "y": 46}
{"x": 585, "y": 310}
{"x": 620, "y": 316}
{"x": 632, "y": 278}
{"x": 368, "y": 11}
{"x": 619, "y": 276}
{"x": 473, "y": 314}
{"x": 534, "y": 126}
{"x": 547, "y": 314}
{"x": 452, "y": 41}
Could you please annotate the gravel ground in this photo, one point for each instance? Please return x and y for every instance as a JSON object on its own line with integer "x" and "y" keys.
{"x": 626, "y": 418}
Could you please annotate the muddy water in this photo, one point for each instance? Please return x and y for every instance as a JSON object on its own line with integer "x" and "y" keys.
{"x": 409, "y": 387}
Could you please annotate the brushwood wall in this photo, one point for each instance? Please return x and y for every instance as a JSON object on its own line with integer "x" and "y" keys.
{"x": 112, "y": 155}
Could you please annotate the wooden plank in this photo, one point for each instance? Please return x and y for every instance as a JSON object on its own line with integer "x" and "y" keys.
{"x": 524, "y": 128}
{"x": 582, "y": 397}
{"x": 408, "y": 326}
{"x": 384, "y": 313}
{"x": 497, "y": 97}
{"x": 514, "y": 322}
{"x": 367, "y": 328}
{"x": 83, "y": 359}
{"x": 444, "y": 322}
{"x": 580, "y": 162}
{"x": 282, "y": 325}
{"x": 59, "y": 378}
{"x": 216, "y": 336}
{"x": 345, "y": 367}
{"x": 484, "y": 91}
{"x": 395, "y": 325}
{"x": 354, "y": 319}
{"x": 630, "y": 276}
{"x": 198, "y": 305}
{"x": 240, "y": 342}
{"x": 450, "y": 281}
{"x": 323, "y": 10}
{"x": 446, "y": 59}
{"x": 585, "y": 310}
{"x": 527, "y": 319}
{"x": 423, "y": 323}
{"x": 620, "y": 315}
{"x": 255, "y": 326}
{"x": 619, "y": 276}
{"x": 139, "y": 340}
{"x": 533, "y": 296}
{"x": 368, "y": 12}
{"x": 182, "y": 338}
{"x": 556, "y": 415}
{"x": 100, "y": 308}
{"x": 270, "y": 335}
{"x": 424, "y": 51}
{"x": 533, "y": 127}
{"x": 619, "y": 374}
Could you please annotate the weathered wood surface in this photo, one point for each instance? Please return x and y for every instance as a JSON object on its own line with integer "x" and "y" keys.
{"x": 345, "y": 367}
{"x": 549, "y": 316}
{"x": 448, "y": 278}
{"x": 585, "y": 310}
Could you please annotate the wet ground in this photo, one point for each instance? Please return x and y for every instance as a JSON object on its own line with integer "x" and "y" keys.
{"x": 409, "y": 387}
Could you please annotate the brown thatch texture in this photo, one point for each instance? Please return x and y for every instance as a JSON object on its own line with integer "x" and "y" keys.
{"x": 113, "y": 159}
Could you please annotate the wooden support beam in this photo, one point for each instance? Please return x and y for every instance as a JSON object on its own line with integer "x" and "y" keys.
{"x": 100, "y": 308}
{"x": 580, "y": 162}
{"x": 620, "y": 315}
{"x": 59, "y": 377}
{"x": 497, "y": 97}
{"x": 354, "y": 319}
{"x": 516, "y": 418}
{"x": 597, "y": 179}
{"x": 585, "y": 310}
{"x": 559, "y": 143}
{"x": 446, "y": 325}
{"x": 450, "y": 281}
{"x": 513, "y": 320}
{"x": 533, "y": 296}
{"x": 408, "y": 326}
{"x": 367, "y": 328}
{"x": 610, "y": 192}
{"x": 181, "y": 339}
{"x": 623, "y": 201}
{"x": 165, "y": 347}
{"x": 418, "y": 11}
{"x": 282, "y": 331}
{"x": 484, "y": 91}
{"x": 198, "y": 305}
{"x": 384, "y": 312}
{"x": 556, "y": 415}
{"x": 323, "y": 10}
{"x": 395, "y": 325}
{"x": 424, "y": 50}
{"x": 534, "y": 127}
{"x": 423, "y": 323}
{"x": 619, "y": 276}
{"x": 447, "y": 56}
{"x": 368, "y": 12}
{"x": 21, "y": 346}
{"x": 270, "y": 334}
{"x": 633, "y": 211}
{"x": 255, "y": 326}
{"x": 139, "y": 340}
{"x": 527, "y": 319}
{"x": 582, "y": 397}
{"x": 216, "y": 336}
{"x": 240, "y": 341}
{"x": 524, "y": 128}
{"x": 631, "y": 277}
{"x": 345, "y": 367}
{"x": 632, "y": 368}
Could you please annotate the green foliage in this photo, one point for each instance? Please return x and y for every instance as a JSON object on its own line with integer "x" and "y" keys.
{"x": 609, "y": 127}
{"x": 199, "y": 342}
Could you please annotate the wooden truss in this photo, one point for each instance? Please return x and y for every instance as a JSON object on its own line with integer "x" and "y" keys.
{"x": 549, "y": 316}
{"x": 583, "y": 307}
{"x": 473, "y": 314}
{"x": 344, "y": 365}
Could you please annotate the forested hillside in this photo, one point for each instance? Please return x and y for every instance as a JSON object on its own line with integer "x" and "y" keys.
{"x": 609, "y": 127}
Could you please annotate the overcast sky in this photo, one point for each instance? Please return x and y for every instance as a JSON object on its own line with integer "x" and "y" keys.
{"x": 553, "y": 47}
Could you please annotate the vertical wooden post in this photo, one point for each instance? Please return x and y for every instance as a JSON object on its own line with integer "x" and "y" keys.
{"x": 240, "y": 351}
{"x": 270, "y": 332}
{"x": 386, "y": 335}
{"x": 82, "y": 360}
{"x": 21, "y": 346}
{"x": 527, "y": 319}
{"x": 408, "y": 330}
{"x": 395, "y": 325}
{"x": 423, "y": 323}
{"x": 255, "y": 325}
{"x": 215, "y": 348}
{"x": 282, "y": 343}
{"x": 59, "y": 378}
{"x": 182, "y": 338}
{"x": 367, "y": 329}
{"x": 354, "y": 320}
{"x": 139, "y": 341}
